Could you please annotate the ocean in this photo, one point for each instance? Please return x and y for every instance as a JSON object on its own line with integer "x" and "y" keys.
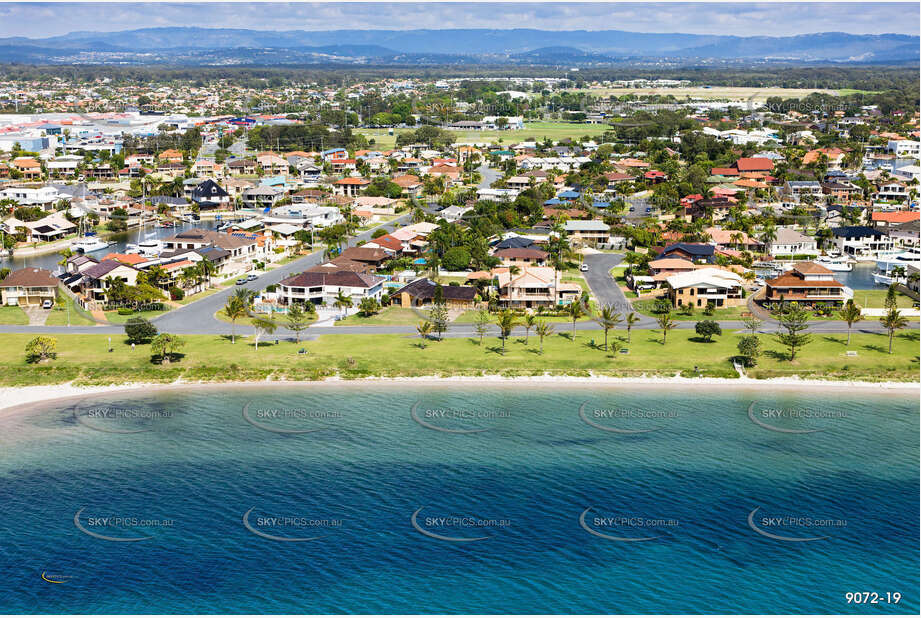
{"x": 462, "y": 498}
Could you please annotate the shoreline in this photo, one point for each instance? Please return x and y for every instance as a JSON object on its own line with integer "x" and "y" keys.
{"x": 20, "y": 399}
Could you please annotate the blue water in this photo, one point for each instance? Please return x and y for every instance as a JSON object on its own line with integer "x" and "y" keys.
{"x": 526, "y": 468}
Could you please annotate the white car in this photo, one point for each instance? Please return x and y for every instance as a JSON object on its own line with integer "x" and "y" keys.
{"x": 583, "y": 267}
{"x": 47, "y": 304}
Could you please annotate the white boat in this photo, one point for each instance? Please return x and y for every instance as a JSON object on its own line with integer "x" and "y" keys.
{"x": 838, "y": 264}
{"x": 150, "y": 247}
{"x": 88, "y": 244}
{"x": 886, "y": 266}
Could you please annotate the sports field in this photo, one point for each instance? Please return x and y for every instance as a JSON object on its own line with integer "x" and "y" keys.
{"x": 532, "y": 130}
{"x": 716, "y": 92}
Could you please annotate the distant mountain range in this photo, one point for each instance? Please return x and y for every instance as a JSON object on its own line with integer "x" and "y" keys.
{"x": 220, "y": 46}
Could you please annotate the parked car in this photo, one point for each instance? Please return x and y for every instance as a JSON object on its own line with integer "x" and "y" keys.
{"x": 241, "y": 281}
{"x": 583, "y": 267}
{"x": 47, "y": 304}
{"x": 252, "y": 277}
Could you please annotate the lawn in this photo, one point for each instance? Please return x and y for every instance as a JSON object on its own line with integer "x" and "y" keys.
{"x": 617, "y": 273}
{"x": 389, "y": 316}
{"x": 13, "y": 315}
{"x": 877, "y": 299}
{"x": 725, "y": 313}
{"x": 59, "y": 314}
{"x": 532, "y": 131}
{"x": 115, "y": 318}
{"x": 213, "y": 358}
{"x": 191, "y": 298}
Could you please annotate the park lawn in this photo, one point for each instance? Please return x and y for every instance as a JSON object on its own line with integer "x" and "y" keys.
{"x": 877, "y": 299}
{"x": 723, "y": 313}
{"x": 212, "y": 358}
{"x": 13, "y": 315}
{"x": 115, "y": 318}
{"x": 388, "y": 316}
{"x": 58, "y": 315}
{"x": 469, "y": 317}
{"x": 533, "y": 131}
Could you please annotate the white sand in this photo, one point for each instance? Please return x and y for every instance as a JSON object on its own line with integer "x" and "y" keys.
{"x": 22, "y": 399}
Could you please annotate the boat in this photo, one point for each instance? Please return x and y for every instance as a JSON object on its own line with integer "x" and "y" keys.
{"x": 167, "y": 224}
{"x": 887, "y": 265}
{"x": 838, "y": 264}
{"x": 88, "y": 244}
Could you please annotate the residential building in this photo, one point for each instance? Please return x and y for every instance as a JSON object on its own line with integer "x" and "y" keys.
{"x": 860, "y": 241}
{"x": 421, "y": 292}
{"x": 28, "y": 287}
{"x": 808, "y": 282}
{"x": 534, "y": 286}
{"x": 788, "y": 241}
{"x": 588, "y": 233}
{"x": 704, "y": 286}
{"x": 322, "y": 288}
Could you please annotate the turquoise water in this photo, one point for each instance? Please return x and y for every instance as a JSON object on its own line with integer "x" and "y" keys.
{"x": 518, "y": 466}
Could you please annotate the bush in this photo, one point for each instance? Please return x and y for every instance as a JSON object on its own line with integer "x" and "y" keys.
{"x": 125, "y": 311}
{"x": 176, "y": 293}
{"x": 271, "y": 288}
{"x": 456, "y": 259}
{"x": 708, "y": 328}
{"x": 710, "y": 309}
{"x": 41, "y": 348}
{"x": 140, "y": 330}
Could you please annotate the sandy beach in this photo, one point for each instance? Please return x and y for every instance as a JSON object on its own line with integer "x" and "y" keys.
{"x": 22, "y": 399}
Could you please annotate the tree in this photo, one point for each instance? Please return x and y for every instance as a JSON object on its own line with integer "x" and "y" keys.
{"x": 749, "y": 349}
{"x": 608, "y": 318}
{"x": 752, "y": 323}
{"x": 506, "y": 322}
{"x": 891, "y": 299}
{"x": 666, "y": 323}
{"x": 455, "y": 259}
{"x": 543, "y": 329}
{"x": 632, "y": 319}
{"x": 165, "y": 346}
{"x": 342, "y": 301}
{"x": 794, "y": 320}
{"x": 708, "y": 328}
{"x": 438, "y": 316}
{"x": 528, "y": 324}
{"x": 851, "y": 315}
{"x": 41, "y": 348}
{"x": 481, "y": 324}
{"x": 263, "y": 326}
{"x": 235, "y": 309}
{"x": 574, "y": 311}
{"x": 368, "y": 307}
{"x": 140, "y": 330}
{"x": 424, "y": 329}
{"x": 892, "y": 322}
{"x": 297, "y": 320}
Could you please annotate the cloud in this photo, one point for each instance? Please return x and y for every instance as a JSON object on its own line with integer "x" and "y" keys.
{"x": 742, "y": 19}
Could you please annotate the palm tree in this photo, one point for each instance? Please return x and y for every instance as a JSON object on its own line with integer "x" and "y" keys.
{"x": 851, "y": 315}
{"x": 632, "y": 319}
{"x": 543, "y": 329}
{"x": 245, "y": 295}
{"x": 207, "y": 269}
{"x": 506, "y": 322}
{"x": 424, "y": 329}
{"x": 235, "y": 309}
{"x": 608, "y": 318}
{"x": 528, "y": 324}
{"x": 342, "y": 301}
{"x": 574, "y": 310}
{"x": 666, "y": 323}
{"x": 892, "y": 322}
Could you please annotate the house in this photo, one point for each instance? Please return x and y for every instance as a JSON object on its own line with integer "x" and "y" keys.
{"x": 732, "y": 239}
{"x": 807, "y": 282}
{"x": 885, "y": 220}
{"x": 797, "y": 190}
{"x": 242, "y": 167}
{"x": 271, "y": 163}
{"x": 421, "y": 292}
{"x": 97, "y": 279}
{"x": 754, "y": 164}
{"x": 835, "y": 157}
{"x": 29, "y": 167}
{"x": 350, "y": 187}
{"x": 534, "y": 286}
{"x": 239, "y": 245}
{"x": 170, "y": 156}
{"x": 52, "y": 227}
{"x": 411, "y": 185}
{"x": 703, "y": 286}
{"x": 842, "y": 191}
{"x": 693, "y": 252}
{"x": 373, "y": 257}
{"x": 209, "y": 194}
{"x": 904, "y": 234}
{"x": 44, "y": 197}
{"x": 788, "y": 241}
{"x": 262, "y": 197}
{"x": 905, "y": 148}
{"x": 616, "y": 178}
{"x": 892, "y": 191}
{"x": 860, "y": 241}
{"x": 28, "y": 287}
{"x": 588, "y": 233}
{"x": 522, "y": 257}
{"x": 322, "y": 288}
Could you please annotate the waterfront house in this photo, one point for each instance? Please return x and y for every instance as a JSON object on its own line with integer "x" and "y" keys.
{"x": 28, "y": 287}
{"x": 421, "y": 292}
{"x": 534, "y": 286}
{"x": 807, "y": 283}
{"x": 322, "y": 288}
{"x": 704, "y": 286}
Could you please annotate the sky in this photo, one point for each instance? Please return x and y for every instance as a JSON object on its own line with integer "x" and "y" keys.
{"x": 37, "y": 20}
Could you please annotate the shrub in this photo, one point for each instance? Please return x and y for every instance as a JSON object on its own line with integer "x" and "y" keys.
{"x": 176, "y": 293}
{"x": 125, "y": 311}
{"x": 708, "y": 328}
{"x": 41, "y": 348}
{"x": 710, "y": 309}
{"x": 140, "y": 330}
